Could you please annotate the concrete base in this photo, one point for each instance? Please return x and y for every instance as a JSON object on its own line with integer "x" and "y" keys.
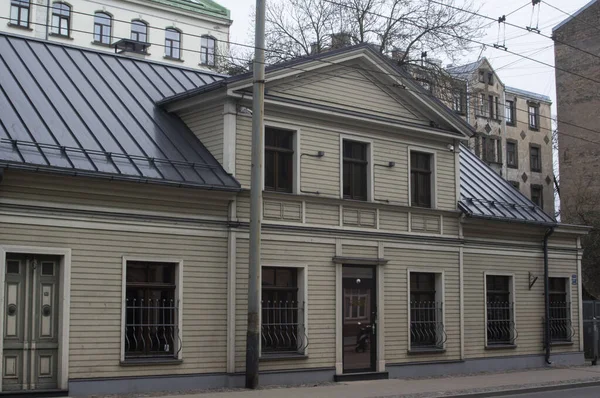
{"x": 494, "y": 364}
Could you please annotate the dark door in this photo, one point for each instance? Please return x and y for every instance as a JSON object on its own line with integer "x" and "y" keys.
{"x": 359, "y": 318}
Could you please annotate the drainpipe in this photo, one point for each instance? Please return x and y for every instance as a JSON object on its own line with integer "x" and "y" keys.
{"x": 47, "y": 19}
{"x": 547, "y": 296}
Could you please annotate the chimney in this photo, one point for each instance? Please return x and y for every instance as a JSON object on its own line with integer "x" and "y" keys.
{"x": 340, "y": 40}
{"x": 398, "y": 53}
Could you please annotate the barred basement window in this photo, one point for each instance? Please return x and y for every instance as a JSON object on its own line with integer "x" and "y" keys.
{"x": 151, "y": 311}
{"x": 500, "y": 311}
{"x": 282, "y": 322}
{"x": 561, "y": 329}
{"x": 426, "y": 313}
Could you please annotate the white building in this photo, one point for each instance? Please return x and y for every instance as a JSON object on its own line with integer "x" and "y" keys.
{"x": 193, "y": 33}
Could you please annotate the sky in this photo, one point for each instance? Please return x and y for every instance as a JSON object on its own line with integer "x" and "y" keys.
{"x": 513, "y": 70}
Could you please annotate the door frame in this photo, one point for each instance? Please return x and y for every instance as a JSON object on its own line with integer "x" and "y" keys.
{"x": 64, "y": 297}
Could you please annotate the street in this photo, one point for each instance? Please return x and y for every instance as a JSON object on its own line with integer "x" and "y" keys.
{"x": 585, "y": 392}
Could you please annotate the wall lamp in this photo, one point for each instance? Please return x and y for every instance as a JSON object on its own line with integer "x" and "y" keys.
{"x": 319, "y": 154}
{"x": 389, "y": 164}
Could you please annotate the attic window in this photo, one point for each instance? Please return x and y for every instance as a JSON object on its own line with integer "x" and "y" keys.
{"x": 482, "y": 76}
{"x": 490, "y": 78}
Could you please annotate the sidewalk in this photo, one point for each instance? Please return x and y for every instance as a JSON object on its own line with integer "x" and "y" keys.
{"x": 430, "y": 387}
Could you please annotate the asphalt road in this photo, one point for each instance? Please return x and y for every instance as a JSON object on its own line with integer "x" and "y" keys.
{"x": 585, "y": 392}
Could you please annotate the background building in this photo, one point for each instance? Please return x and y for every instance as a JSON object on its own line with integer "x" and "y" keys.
{"x": 192, "y": 33}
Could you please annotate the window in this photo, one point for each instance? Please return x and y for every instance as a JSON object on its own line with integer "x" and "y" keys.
{"x": 535, "y": 158}
{"x": 515, "y": 184}
{"x": 497, "y": 109}
{"x": 512, "y": 158}
{"x": 560, "y": 310}
{"x": 282, "y": 314}
{"x": 172, "y": 43}
{"x": 357, "y": 304}
{"x": 492, "y": 149}
{"x": 207, "y": 51}
{"x": 499, "y": 310}
{"x": 482, "y": 76}
{"x": 19, "y": 13}
{"x": 279, "y": 160}
{"x": 139, "y": 31}
{"x": 151, "y": 310}
{"x": 534, "y": 117}
{"x": 355, "y": 170}
{"x": 481, "y": 106}
{"x": 510, "y": 112}
{"x": 490, "y": 78}
{"x": 477, "y": 145}
{"x": 491, "y": 106}
{"x": 61, "y": 19}
{"x": 457, "y": 100}
{"x": 426, "y": 312}
{"x": 102, "y": 22}
{"x": 537, "y": 195}
{"x": 420, "y": 179}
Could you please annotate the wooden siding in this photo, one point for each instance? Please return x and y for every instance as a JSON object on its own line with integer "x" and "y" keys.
{"x": 451, "y": 225}
{"x": 320, "y": 300}
{"x": 208, "y": 125}
{"x": 96, "y": 280}
{"x": 391, "y": 220}
{"x": 282, "y": 210}
{"x": 322, "y": 214}
{"x": 427, "y": 223}
{"x": 357, "y": 217}
{"x": 360, "y": 251}
{"x": 396, "y": 301}
{"x": 529, "y": 304}
{"x": 81, "y": 193}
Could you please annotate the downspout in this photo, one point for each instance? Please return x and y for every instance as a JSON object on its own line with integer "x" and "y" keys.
{"x": 547, "y": 296}
{"x": 47, "y": 19}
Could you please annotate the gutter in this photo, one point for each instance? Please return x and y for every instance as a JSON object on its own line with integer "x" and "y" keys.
{"x": 549, "y": 232}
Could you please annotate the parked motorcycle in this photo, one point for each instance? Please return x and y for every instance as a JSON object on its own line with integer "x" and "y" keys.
{"x": 363, "y": 338}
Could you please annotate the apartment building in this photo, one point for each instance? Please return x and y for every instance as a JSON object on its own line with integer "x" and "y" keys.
{"x": 514, "y": 129}
{"x": 191, "y": 33}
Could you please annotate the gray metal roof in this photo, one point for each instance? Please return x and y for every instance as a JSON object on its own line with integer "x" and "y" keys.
{"x": 81, "y": 112}
{"x": 528, "y": 94}
{"x": 574, "y": 15}
{"x": 464, "y": 71}
{"x": 485, "y": 194}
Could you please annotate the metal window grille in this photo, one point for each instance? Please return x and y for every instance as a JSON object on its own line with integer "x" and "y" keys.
{"x": 282, "y": 328}
{"x": 426, "y": 325}
{"x": 500, "y": 325}
{"x": 561, "y": 328}
{"x": 151, "y": 328}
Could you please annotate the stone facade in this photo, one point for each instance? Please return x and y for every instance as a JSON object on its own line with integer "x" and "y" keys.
{"x": 578, "y": 102}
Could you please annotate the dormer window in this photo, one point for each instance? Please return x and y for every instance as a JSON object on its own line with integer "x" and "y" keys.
{"x": 490, "y": 78}
{"x": 482, "y": 76}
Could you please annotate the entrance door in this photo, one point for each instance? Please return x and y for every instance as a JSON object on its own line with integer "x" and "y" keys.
{"x": 30, "y": 353}
{"x": 359, "y": 319}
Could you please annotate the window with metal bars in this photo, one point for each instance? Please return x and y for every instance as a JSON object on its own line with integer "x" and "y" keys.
{"x": 282, "y": 313}
{"x": 151, "y": 311}
{"x": 61, "y": 19}
{"x": 426, "y": 316}
{"x": 560, "y": 310}
{"x": 420, "y": 179}
{"x": 207, "y": 50}
{"x": 102, "y": 28}
{"x": 139, "y": 31}
{"x": 19, "y": 13}
{"x": 355, "y": 170}
{"x": 279, "y": 160}
{"x": 500, "y": 311}
{"x": 172, "y": 43}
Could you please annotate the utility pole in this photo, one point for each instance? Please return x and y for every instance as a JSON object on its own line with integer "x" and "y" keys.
{"x": 258, "y": 107}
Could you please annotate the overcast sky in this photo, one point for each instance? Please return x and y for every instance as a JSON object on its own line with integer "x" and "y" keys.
{"x": 513, "y": 70}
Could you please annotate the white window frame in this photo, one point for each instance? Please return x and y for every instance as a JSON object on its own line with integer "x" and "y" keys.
{"x": 440, "y": 296}
{"x": 296, "y": 161}
{"x": 178, "y": 294}
{"x": 370, "y": 175}
{"x": 302, "y": 280}
{"x": 513, "y": 298}
{"x": 433, "y": 152}
{"x": 569, "y": 298}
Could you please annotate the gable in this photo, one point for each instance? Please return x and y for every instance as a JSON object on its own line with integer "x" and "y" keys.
{"x": 348, "y": 87}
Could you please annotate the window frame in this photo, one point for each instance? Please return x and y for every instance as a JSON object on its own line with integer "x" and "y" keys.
{"x": 536, "y": 115}
{"x": 178, "y": 349}
{"x": 512, "y": 295}
{"x": 510, "y": 110}
{"x": 539, "y": 151}
{"x": 278, "y": 150}
{"x": 440, "y": 296}
{"x": 369, "y": 143}
{"x": 20, "y": 6}
{"x": 541, "y": 190}
{"x": 569, "y": 296}
{"x": 458, "y": 96}
{"x": 61, "y": 17}
{"x": 302, "y": 295}
{"x": 433, "y": 179}
{"x": 490, "y": 78}
{"x": 297, "y": 153}
{"x": 490, "y": 106}
{"x": 102, "y": 28}
{"x": 146, "y": 33}
{"x": 514, "y": 165}
{"x": 170, "y": 47}
{"x": 206, "y": 53}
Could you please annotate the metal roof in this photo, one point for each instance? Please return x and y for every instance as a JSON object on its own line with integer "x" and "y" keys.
{"x": 528, "y": 94}
{"x": 574, "y": 15}
{"x": 82, "y": 112}
{"x": 464, "y": 71}
{"x": 485, "y": 194}
{"x": 207, "y": 7}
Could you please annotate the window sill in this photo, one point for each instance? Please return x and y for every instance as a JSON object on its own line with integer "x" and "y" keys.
{"x": 500, "y": 347}
{"x": 100, "y": 44}
{"x": 173, "y": 59}
{"x": 534, "y": 128}
{"x": 208, "y": 66}
{"x": 417, "y": 351}
{"x": 151, "y": 361}
{"x": 17, "y": 26}
{"x": 59, "y": 36}
{"x": 282, "y": 357}
{"x": 561, "y": 343}
{"x": 536, "y": 171}
{"x": 510, "y": 166}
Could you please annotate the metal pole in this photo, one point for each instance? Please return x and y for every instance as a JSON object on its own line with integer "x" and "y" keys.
{"x": 258, "y": 97}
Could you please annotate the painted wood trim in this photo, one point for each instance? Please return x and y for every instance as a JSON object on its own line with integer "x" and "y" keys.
{"x": 512, "y": 295}
{"x": 442, "y": 275}
{"x": 461, "y": 298}
{"x": 579, "y": 298}
{"x": 434, "y": 185}
{"x": 339, "y": 338}
{"x": 380, "y": 310}
{"x": 358, "y": 261}
{"x": 370, "y": 150}
{"x": 231, "y": 291}
{"x": 297, "y": 172}
{"x": 229, "y": 136}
